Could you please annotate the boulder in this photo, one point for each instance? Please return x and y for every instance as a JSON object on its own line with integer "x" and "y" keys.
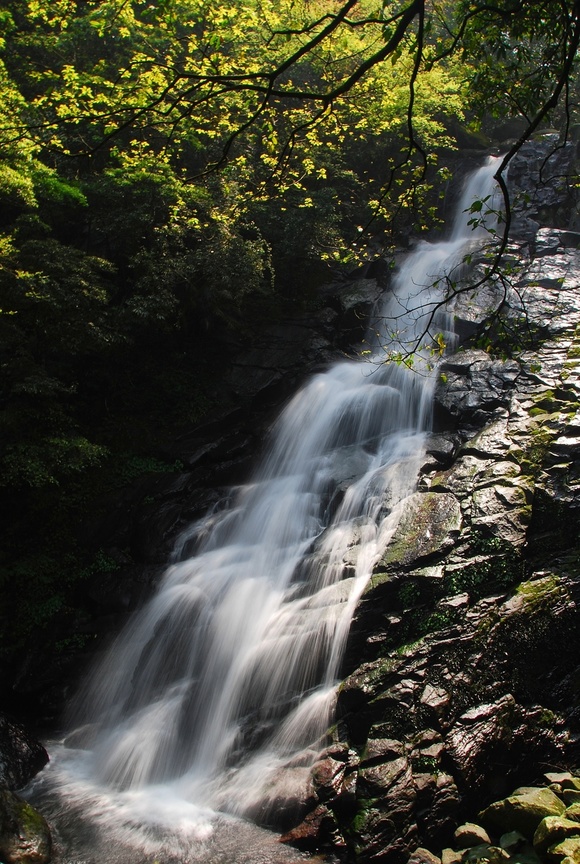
{"x": 327, "y": 776}
{"x": 573, "y": 812}
{"x": 378, "y": 779}
{"x": 451, "y": 856}
{"x": 469, "y": 835}
{"x": 423, "y": 856}
{"x": 24, "y": 833}
{"x": 568, "y": 849}
{"x": 552, "y": 830}
{"x": 21, "y": 756}
{"x": 557, "y": 777}
{"x": 478, "y": 731}
{"x": 522, "y": 812}
{"x": 309, "y": 833}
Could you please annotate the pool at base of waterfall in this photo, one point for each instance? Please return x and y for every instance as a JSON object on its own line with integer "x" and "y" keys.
{"x": 154, "y": 825}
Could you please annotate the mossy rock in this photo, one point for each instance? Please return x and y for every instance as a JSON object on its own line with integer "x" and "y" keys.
{"x": 541, "y": 594}
{"x": 573, "y": 812}
{"x": 24, "y": 832}
{"x": 522, "y": 812}
{"x": 485, "y": 852}
{"x": 552, "y": 830}
{"x": 430, "y": 523}
{"x": 565, "y": 849}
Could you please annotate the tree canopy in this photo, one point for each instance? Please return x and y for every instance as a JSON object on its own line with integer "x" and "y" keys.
{"x": 174, "y": 171}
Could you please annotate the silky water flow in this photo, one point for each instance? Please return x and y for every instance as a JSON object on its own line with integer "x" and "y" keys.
{"x": 216, "y": 697}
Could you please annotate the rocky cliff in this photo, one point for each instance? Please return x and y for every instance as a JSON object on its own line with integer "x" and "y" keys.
{"x": 462, "y": 675}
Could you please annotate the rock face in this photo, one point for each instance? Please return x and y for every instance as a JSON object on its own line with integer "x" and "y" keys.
{"x": 461, "y": 673}
{"x": 21, "y": 756}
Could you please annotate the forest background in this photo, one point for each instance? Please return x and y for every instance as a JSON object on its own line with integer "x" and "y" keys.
{"x": 175, "y": 174}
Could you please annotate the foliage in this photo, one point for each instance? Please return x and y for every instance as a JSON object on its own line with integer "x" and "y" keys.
{"x": 493, "y": 564}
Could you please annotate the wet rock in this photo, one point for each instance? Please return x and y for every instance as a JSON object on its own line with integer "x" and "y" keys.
{"x": 316, "y": 827}
{"x": 546, "y": 242}
{"x": 24, "y": 833}
{"x": 354, "y": 303}
{"x": 429, "y": 524}
{"x": 436, "y": 698}
{"x": 537, "y": 177}
{"x": 21, "y": 756}
{"x": 382, "y": 750}
{"x": 436, "y": 807}
{"x": 473, "y": 386}
{"x": 442, "y": 446}
{"x": 384, "y": 836}
{"x": 376, "y": 780}
{"x": 289, "y": 798}
{"x": 478, "y": 731}
{"x": 327, "y": 776}
{"x": 570, "y": 796}
{"x": 526, "y": 855}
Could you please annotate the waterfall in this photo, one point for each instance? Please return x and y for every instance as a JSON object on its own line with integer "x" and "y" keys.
{"x": 229, "y": 673}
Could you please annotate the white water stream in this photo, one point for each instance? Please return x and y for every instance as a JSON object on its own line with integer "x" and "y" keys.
{"x": 229, "y": 672}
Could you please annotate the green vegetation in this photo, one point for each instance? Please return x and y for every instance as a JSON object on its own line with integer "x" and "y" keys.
{"x": 494, "y": 564}
{"x": 425, "y": 765}
{"x": 172, "y": 175}
{"x": 539, "y": 594}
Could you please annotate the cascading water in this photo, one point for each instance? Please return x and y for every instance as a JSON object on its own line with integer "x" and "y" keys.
{"x": 229, "y": 673}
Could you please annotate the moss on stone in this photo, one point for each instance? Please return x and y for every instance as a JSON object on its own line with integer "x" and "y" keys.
{"x": 540, "y": 594}
{"x": 523, "y": 811}
{"x": 364, "y": 811}
{"x": 490, "y": 563}
{"x": 381, "y": 577}
{"x": 429, "y": 523}
{"x": 24, "y": 832}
